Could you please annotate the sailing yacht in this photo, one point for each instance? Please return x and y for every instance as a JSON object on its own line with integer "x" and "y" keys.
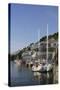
{"x": 37, "y": 65}
{"x": 46, "y": 66}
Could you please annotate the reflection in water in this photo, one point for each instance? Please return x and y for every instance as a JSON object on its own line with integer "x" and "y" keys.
{"x": 37, "y": 75}
{"x": 44, "y": 78}
{"x": 20, "y": 75}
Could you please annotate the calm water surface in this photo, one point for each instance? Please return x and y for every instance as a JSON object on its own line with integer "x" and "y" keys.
{"x": 24, "y": 76}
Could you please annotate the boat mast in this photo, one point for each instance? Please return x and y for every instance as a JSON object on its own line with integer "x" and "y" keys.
{"x": 38, "y": 40}
{"x": 47, "y": 45}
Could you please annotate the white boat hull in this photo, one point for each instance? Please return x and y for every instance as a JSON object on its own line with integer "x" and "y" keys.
{"x": 17, "y": 62}
{"x": 34, "y": 68}
{"x": 42, "y": 68}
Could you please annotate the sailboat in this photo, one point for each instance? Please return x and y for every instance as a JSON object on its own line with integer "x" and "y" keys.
{"x": 46, "y": 67}
{"x": 37, "y": 66}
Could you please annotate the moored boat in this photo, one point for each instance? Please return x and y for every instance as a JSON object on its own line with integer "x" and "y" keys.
{"x": 36, "y": 67}
{"x": 45, "y": 66}
{"x": 18, "y": 62}
{"x": 42, "y": 67}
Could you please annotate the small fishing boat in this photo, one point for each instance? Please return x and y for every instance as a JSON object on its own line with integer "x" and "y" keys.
{"x": 17, "y": 61}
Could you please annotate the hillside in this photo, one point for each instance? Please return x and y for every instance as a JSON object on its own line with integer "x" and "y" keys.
{"x": 28, "y": 48}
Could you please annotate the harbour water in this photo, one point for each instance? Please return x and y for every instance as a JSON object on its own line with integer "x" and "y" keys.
{"x": 22, "y": 76}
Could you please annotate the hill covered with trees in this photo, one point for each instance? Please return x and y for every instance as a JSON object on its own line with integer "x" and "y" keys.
{"x": 28, "y": 48}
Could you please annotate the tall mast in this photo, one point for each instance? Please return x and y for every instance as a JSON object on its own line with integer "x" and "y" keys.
{"x": 38, "y": 40}
{"x": 38, "y": 37}
{"x": 47, "y": 44}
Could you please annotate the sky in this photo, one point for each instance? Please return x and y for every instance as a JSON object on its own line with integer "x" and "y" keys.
{"x": 29, "y": 20}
